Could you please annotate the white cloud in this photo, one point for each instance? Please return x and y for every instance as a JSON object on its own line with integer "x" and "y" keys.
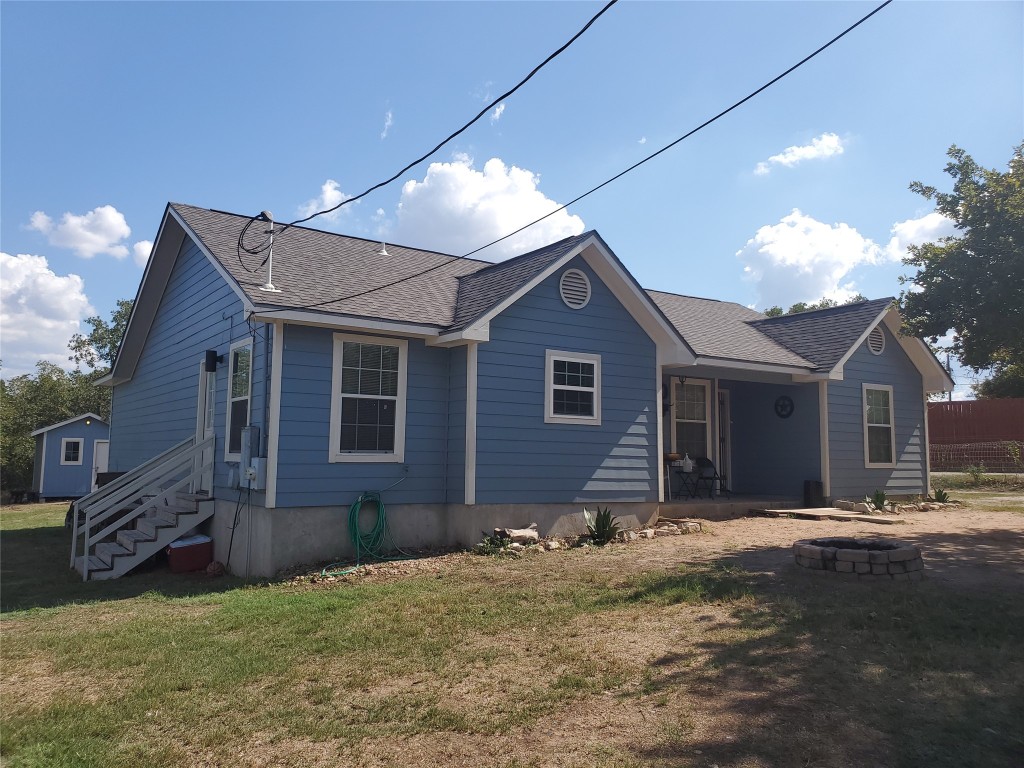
{"x": 826, "y": 145}
{"x": 457, "y": 208}
{"x": 102, "y": 230}
{"x": 388, "y": 120}
{"x": 927, "y": 229}
{"x": 330, "y": 196}
{"x": 802, "y": 259}
{"x": 141, "y": 251}
{"x": 643, "y": 140}
{"x": 497, "y": 112}
{"x": 39, "y": 312}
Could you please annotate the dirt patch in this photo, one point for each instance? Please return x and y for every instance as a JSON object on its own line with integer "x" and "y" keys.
{"x": 34, "y": 684}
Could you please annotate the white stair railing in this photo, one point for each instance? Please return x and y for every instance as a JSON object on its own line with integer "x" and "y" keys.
{"x": 135, "y": 493}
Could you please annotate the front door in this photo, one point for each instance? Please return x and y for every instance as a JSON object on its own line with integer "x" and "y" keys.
{"x": 100, "y": 460}
{"x": 205, "y": 412}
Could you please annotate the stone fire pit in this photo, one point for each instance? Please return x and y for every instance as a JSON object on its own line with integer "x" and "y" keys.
{"x": 861, "y": 558}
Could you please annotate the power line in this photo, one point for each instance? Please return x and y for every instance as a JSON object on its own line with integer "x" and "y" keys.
{"x": 263, "y": 246}
{"x": 605, "y": 183}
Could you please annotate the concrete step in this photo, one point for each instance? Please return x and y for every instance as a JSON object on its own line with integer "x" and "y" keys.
{"x": 829, "y": 513}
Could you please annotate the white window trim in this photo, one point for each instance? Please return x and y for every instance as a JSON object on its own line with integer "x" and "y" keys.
{"x": 550, "y": 417}
{"x": 678, "y": 382}
{"x": 334, "y": 455}
{"x": 81, "y": 451}
{"x": 892, "y": 425}
{"x": 247, "y": 342}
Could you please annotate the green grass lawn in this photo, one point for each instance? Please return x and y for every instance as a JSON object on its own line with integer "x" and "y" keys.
{"x": 585, "y": 657}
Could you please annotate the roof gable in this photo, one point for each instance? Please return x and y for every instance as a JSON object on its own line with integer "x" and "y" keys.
{"x": 72, "y": 420}
{"x": 824, "y": 336}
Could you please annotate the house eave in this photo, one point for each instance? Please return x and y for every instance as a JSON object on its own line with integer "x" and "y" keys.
{"x": 270, "y": 314}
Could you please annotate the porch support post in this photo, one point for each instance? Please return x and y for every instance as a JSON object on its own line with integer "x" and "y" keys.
{"x": 826, "y": 472}
{"x": 470, "y": 483}
{"x": 927, "y": 446}
{"x": 660, "y": 409}
{"x": 274, "y": 427}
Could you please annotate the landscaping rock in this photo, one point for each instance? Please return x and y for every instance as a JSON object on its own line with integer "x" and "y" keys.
{"x": 526, "y": 535}
{"x": 647, "y": 533}
{"x": 845, "y": 505}
{"x": 552, "y": 545}
{"x": 863, "y": 508}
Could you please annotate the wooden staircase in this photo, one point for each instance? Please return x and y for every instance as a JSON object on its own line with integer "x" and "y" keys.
{"x": 126, "y": 522}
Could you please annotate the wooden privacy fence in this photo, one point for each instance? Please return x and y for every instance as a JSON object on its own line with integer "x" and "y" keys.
{"x": 987, "y": 433}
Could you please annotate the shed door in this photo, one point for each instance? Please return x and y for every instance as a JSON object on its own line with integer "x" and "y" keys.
{"x": 100, "y": 456}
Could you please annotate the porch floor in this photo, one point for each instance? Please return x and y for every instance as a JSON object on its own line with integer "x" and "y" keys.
{"x": 725, "y": 507}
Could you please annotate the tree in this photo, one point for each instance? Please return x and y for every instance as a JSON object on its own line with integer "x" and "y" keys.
{"x": 100, "y": 346}
{"x": 801, "y": 306}
{"x": 973, "y": 282}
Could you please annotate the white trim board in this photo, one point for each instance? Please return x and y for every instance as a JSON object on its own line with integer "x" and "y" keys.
{"x": 469, "y": 493}
{"x": 274, "y": 417}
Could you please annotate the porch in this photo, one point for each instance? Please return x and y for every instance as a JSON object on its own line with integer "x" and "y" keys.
{"x": 761, "y": 429}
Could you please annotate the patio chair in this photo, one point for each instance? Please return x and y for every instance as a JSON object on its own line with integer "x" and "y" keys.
{"x": 707, "y": 476}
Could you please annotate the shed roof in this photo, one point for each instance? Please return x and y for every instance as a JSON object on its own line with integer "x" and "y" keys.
{"x": 72, "y": 420}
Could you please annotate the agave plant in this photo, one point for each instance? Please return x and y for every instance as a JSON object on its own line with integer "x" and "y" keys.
{"x": 941, "y": 496}
{"x": 601, "y": 526}
{"x": 877, "y": 500}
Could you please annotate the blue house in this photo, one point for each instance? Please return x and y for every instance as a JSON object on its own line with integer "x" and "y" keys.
{"x": 68, "y": 457}
{"x": 475, "y": 394}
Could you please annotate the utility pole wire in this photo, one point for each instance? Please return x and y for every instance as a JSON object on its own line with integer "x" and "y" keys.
{"x": 260, "y": 248}
{"x": 605, "y": 183}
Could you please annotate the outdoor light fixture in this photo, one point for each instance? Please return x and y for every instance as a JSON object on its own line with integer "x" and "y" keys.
{"x": 212, "y": 358}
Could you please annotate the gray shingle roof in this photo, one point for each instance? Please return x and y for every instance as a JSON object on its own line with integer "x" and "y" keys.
{"x": 487, "y": 287}
{"x": 823, "y": 336}
{"x": 312, "y": 267}
{"x": 721, "y": 329}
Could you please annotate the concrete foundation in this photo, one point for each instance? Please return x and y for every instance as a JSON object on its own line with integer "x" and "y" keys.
{"x": 266, "y": 541}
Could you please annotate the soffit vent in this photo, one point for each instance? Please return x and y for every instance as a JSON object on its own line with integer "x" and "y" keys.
{"x": 574, "y": 288}
{"x": 876, "y": 340}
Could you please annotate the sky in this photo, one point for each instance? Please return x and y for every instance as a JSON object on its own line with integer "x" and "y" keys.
{"x": 108, "y": 111}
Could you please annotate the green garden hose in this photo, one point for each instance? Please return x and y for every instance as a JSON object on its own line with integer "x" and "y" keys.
{"x": 372, "y": 543}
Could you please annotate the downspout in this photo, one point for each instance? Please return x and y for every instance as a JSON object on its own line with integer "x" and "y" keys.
{"x": 447, "y": 428}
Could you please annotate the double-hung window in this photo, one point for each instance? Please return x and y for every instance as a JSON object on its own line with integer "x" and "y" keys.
{"x": 692, "y": 417}
{"x": 572, "y": 388}
{"x": 239, "y": 396}
{"x": 71, "y": 450}
{"x": 879, "y": 434}
{"x": 368, "y": 399}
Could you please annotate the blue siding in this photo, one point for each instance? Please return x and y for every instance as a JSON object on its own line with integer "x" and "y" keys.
{"x": 71, "y": 480}
{"x": 850, "y": 478}
{"x": 520, "y": 458}
{"x": 771, "y": 455}
{"x": 157, "y": 408}
{"x": 306, "y": 477}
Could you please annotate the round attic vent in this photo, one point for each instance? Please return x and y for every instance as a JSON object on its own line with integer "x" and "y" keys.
{"x": 876, "y": 340}
{"x": 574, "y": 288}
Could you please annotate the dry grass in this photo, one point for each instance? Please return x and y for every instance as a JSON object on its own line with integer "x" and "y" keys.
{"x": 688, "y": 651}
